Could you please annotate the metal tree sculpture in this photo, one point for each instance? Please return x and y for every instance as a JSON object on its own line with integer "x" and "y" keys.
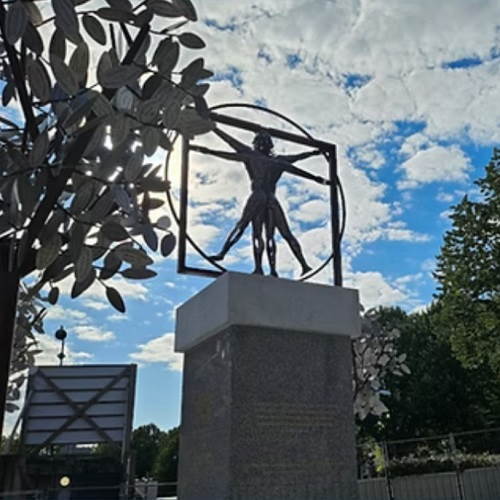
{"x": 68, "y": 204}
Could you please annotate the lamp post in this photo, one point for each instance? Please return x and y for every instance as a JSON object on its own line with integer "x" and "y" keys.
{"x": 61, "y": 335}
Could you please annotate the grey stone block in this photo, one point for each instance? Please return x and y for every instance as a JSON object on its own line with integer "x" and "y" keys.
{"x": 263, "y": 301}
{"x": 266, "y": 411}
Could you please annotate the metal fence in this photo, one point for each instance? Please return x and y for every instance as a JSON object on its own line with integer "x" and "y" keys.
{"x": 460, "y": 466}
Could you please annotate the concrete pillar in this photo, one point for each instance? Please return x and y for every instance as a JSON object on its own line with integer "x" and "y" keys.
{"x": 267, "y": 409}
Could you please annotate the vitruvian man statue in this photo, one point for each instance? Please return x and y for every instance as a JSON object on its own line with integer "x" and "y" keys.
{"x": 262, "y": 208}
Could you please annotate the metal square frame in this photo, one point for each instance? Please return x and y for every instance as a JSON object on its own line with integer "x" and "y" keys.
{"x": 325, "y": 147}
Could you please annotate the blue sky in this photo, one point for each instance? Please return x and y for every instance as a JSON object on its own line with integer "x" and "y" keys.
{"x": 408, "y": 90}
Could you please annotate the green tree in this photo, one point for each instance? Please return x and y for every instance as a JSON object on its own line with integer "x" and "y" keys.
{"x": 70, "y": 205}
{"x": 468, "y": 272}
{"x": 440, "y": 395}
{"x": 165, "y": 467}
{"x": 145, "y": 444}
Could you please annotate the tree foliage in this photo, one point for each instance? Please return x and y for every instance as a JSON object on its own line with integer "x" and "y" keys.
{"x": 145, "y": 445}
{"x": 375, "y": 357}
{"x": 93, "y": 97}
{"x": 77, "y": 193}
{"x": 29, "y": 322}
{"x": 165, "y": 466}
{"x": 440, "y": 395}
{"x": 468, "y": 272}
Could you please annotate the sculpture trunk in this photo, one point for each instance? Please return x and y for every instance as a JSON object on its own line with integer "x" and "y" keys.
{"x": 9, "y": 280}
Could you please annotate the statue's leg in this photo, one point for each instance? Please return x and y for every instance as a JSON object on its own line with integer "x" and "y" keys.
{"x": 238, "y": 230}
{"x": 284, "y": 229}
{"x": 270, "y": 227}
{"x": 258, "y": 243}
{"x": 232, "y": 239}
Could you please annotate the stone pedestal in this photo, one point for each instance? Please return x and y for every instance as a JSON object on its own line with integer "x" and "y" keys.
{"x": 267, "y": 391}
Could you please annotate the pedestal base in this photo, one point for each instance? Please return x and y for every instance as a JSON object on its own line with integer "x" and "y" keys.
{"x": 267, "y": 415}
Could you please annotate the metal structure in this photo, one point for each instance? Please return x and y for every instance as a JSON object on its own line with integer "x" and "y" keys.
{"x": 328, "y": 150}
{"x": 84, "y": 404}
{"x": 61, "y": 335}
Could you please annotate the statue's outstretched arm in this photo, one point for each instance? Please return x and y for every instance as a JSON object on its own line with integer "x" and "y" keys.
{"x": 302, "y": 173}
{"x": 226, "y": 155}
{"x": 234, "y": 143}
{"x": 299, "y": 156}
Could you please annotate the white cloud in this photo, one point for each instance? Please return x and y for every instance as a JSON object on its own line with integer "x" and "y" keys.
{"x": 98, "y": 305}
{"x": 97, "y": 293}
{"x": 159, "y": 350}
{"x": 375, "y": 290}
{"x": 437, "y": 163}
{"x": 93, "y": 333}
{"x": 445, "y": 197}
{"x": 55, "y": 312}
{"x": 117, "y": 317}
{"x": 51, "y": 347}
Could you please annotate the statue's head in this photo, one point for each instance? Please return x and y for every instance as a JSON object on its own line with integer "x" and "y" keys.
{"x": 263, "y": 142}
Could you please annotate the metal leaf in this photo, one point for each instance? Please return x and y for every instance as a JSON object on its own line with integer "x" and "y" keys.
{"x": 48, "y": 252}
{"x": 150, "y": 139}
{"x": 120, "y": 4}
{"x": 79, "y": 62}
{"x": 114, "y": 231}
{"x": 115, "y": 299}
{"x": 40, "y": 149}
{"x": 134, "y": 256}
{"x": 34, "y": 14}
{"x": 167, "y": 244}
{"x": 191, "y": 124}
{"x": 138, "y": 273}
{"x": 80, "y": 286}
{"x": 122, "y": 198}
{"x": 150, "y": 237}
{"x": 15, "y": 22}
{"x": 64, "y": 75}
{"x": 94, "y": 28}
{"x": 110, "y": 14}
{"x": 102, "y": 207}
{"x": 57, "y": 45}
{"x": 164, "y": 9}
{"x": 119, "y": 76}
{"x": 164, "y": 222}
{"x": 96, "y": 140}
{"x": 188, "y": 9}
{"x": 134, "y": 166}
{"x": 120, "y": 128}
{"x": 39, "y": 80}
{"x": 84, "y": 264}
{"x": 32, "y": 38}
{"x": 53, "y": 295}
{"x": 166, "y": 55}
{"x": 78, "y": 235}
{"x": 112, "y": 264}
{"x": 191, "y": 41}
{"x": 124, "y": 99}
{"x": 8, "y": 93}
{"x": 66, "y": 18}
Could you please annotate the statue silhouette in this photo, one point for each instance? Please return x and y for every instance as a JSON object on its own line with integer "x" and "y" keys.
{"x": 262, "y": 208}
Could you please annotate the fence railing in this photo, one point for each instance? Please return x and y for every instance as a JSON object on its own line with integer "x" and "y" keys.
{"x": 456, "y": 466}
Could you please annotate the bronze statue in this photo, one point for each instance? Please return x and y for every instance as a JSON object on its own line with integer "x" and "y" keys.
{"x": 262, "y": 208}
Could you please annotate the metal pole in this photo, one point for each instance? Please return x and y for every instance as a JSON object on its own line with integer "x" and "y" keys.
{"x": 280, "y": 134}
{"x": 453, "y": 448}
{"x": 62, "y": 353}
{"x": 335, "y": 217}
{"x": 388, "y": 482}
{"x": 9, "y": 280}
{"x": 181, "y": 258}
